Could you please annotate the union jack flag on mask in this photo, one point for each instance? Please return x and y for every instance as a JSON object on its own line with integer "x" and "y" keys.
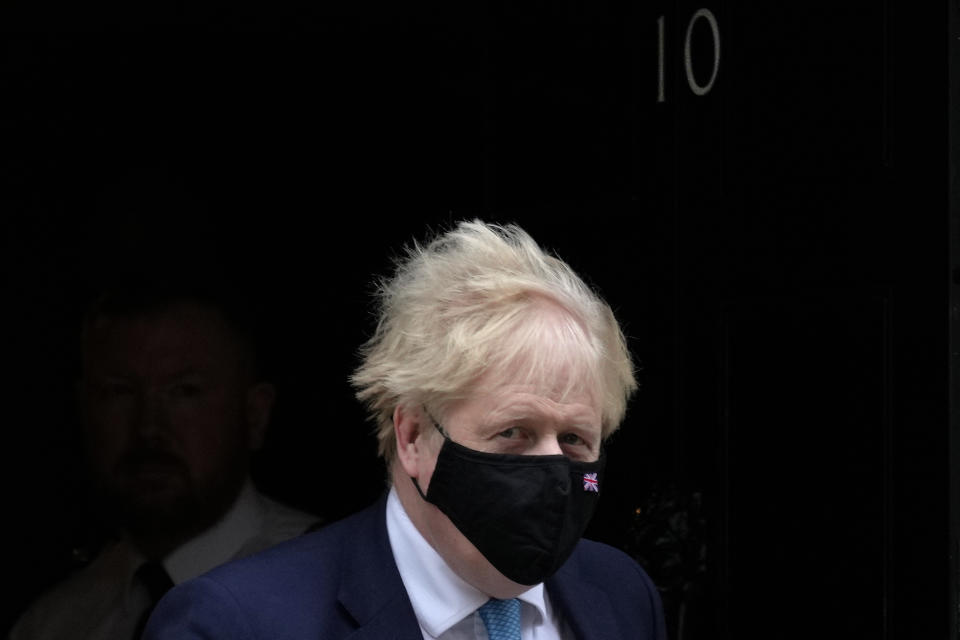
{"x": 590, "y": 482}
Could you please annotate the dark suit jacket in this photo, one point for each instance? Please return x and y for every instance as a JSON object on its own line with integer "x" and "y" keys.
{"x": 342, "y": 582}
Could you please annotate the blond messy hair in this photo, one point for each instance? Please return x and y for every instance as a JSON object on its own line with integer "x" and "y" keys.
{"x": 479, "y": 300}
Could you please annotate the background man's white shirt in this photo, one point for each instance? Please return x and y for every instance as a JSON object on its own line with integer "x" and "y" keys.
{"x": 103, "y": 601}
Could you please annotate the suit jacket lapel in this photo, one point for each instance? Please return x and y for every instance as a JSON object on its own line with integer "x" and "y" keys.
{"x": 371, "y": 590}
{"x": 394, "y": 622}
{"x": 584, "y": 606}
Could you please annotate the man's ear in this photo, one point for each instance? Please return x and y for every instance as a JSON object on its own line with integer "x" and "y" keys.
{"x": 80, "y": 399}
{"x": 259, "y": 404}
{"x": 407, "y": 429}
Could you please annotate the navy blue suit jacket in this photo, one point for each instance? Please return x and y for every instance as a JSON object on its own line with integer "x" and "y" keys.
{"x": 342, "y": 582}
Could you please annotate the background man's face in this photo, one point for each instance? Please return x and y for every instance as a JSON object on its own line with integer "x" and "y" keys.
{"x": 165, "y": 414}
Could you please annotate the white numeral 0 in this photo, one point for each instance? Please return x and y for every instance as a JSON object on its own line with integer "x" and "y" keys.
{"x": 698, "y": 89}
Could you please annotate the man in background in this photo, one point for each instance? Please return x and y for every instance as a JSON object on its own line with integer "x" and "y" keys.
{"x": 172, "y": 410}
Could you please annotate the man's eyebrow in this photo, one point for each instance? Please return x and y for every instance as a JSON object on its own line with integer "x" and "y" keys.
{"x": 187, "y": 371}
{"x": 523, "y": 410}
{"x": 512, "y": 411}
{"x": 109, "y": 378}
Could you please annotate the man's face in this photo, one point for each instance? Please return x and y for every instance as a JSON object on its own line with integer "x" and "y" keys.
{"x": 166, "y": 415}
{"x": 501, "y": 417}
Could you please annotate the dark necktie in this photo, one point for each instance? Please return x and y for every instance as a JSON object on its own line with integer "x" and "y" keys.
{"x": 157, "y": 581}
{"x": 501, "y": 618}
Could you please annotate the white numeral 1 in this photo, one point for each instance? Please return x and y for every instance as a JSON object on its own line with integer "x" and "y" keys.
{"x": 661, "y": 93}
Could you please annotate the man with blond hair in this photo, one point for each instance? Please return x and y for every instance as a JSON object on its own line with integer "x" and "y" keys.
{"x": 494, "y": 377}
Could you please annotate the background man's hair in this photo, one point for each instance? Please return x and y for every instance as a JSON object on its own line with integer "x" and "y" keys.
{"x": 143, "y": 292}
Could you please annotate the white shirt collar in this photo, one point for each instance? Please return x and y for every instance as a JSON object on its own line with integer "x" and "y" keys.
{"x": 440, "y": 597}
{"x": 220, "y": 542}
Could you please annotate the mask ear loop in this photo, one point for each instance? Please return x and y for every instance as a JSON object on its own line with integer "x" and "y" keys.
{"x": 439, "y": 428}
{"x": 436, "y": 423}
{"x": 419, "y": 490}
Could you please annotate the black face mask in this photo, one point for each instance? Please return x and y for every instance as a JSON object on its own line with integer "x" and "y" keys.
{"x": 525, "y": 514}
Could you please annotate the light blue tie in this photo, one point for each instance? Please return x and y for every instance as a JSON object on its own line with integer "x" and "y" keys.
{"x": 501, "y": 618}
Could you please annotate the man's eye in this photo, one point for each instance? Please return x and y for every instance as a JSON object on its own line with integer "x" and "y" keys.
{"x": 115, "y": 389}
{"x": 186, "y": 390}
{"x": 571, "y": 439}
{"x": 512, "y": 432}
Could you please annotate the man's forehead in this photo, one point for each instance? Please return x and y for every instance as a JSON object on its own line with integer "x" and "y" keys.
{"x": 178, "y": 337}
{"x": 568, "y": 382}
{"x": 496, "y": 399}
{"x": 523, "y": 406}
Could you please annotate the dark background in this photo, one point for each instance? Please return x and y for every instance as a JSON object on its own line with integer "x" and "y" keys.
{"x": 776, "y": 249}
